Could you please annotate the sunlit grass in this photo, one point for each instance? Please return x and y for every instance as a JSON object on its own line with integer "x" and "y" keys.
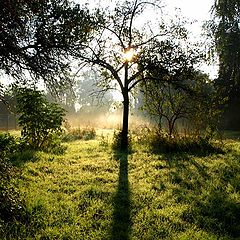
{"x": 92, "y": 192}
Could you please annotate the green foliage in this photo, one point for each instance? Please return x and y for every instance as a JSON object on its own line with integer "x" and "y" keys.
{"x": 225, "y": 33}
{"x": 193, "y": 145}
{"x": 159, "y": 141}
{"x": 40, "y": 120}
{"x": 8, "y": 144}
{"x": 38, "y": 36}
{"x": 104, "y": 141}
{"x": 190, "y": 101}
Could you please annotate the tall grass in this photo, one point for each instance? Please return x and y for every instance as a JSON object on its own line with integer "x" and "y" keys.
{"x": 95, "y": 192}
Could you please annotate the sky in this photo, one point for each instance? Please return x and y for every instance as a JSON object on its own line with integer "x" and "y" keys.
{"x": 192, "y": 8}
{"x": 199, "y": 11}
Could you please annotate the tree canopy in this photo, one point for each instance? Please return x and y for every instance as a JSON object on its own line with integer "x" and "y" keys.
{"x": 226, "y": 32}
{"x": 37, "y": 37}
{"x": 227, "y": 37}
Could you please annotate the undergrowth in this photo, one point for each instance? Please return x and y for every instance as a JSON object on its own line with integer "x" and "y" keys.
{"x": 72, "y": 134}
{"x": 13, "y": 213}
{"x": 160, "y": 142}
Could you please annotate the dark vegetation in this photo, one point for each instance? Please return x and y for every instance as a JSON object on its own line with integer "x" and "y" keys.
{"x": 162, "y": 143}
{"x": 13, "y": 211}
{"x": 12, "y": 207}
{"x": 225, "y": 33}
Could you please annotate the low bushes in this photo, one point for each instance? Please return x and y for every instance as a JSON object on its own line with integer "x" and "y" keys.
{"x": 8, "y": 144}
{"x": 12, "y": 207}
{"x": 73, "y": 134}
{"x": 160, "y": 142}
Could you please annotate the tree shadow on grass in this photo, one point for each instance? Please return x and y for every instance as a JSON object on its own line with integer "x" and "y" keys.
{"x": 121, "y": 215}
{"x": 211, "y": 193}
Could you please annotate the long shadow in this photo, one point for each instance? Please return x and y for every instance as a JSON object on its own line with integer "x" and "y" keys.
{"x": 213, "y": 208}
{"x": 121, "y": 215}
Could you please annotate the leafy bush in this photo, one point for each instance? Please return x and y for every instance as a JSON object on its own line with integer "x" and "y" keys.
{"x": 8, "y": 144}
{"x": 73, "y": 134}
{"x": 12, "y": 207}
{"x": 17, "y": 221}
{"x": 141, "y": 134}
{"x": 40, "y": 120}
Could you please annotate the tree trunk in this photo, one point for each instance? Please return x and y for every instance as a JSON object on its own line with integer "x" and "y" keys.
{"x": 124, "y": 135}
{"x": 170, "y": 127}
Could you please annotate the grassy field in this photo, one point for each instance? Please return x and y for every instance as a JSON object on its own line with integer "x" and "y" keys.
{"x": 93, "y": 192}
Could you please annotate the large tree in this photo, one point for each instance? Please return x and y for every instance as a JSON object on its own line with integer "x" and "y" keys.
{"x": 36, "y": 38}
{"x": 120, "y": 45}
{"x": 226, "y": 30}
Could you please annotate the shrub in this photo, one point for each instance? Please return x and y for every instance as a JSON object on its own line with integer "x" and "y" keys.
{"x": 104, "y": 141}
{"x": 17, "y": 221}
{"x": 8, "y": 144}
{"x": 141, "y": 134}
{"x": 40, "y": 120}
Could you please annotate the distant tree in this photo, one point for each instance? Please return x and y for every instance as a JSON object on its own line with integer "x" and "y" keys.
{"x": 89, "y": 95}
{"x": 225, "y": 29}
{"x": 66, "y": 98}
{"x": 120, "y": 44}
{"x": 37, "y": 37}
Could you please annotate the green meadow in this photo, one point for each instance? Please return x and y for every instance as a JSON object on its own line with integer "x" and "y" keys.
{"x": 94, "y": 192}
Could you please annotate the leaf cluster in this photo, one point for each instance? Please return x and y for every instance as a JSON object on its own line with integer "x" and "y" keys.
{"x": 8, "y": 144}
{"x": 12, "y": 206}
